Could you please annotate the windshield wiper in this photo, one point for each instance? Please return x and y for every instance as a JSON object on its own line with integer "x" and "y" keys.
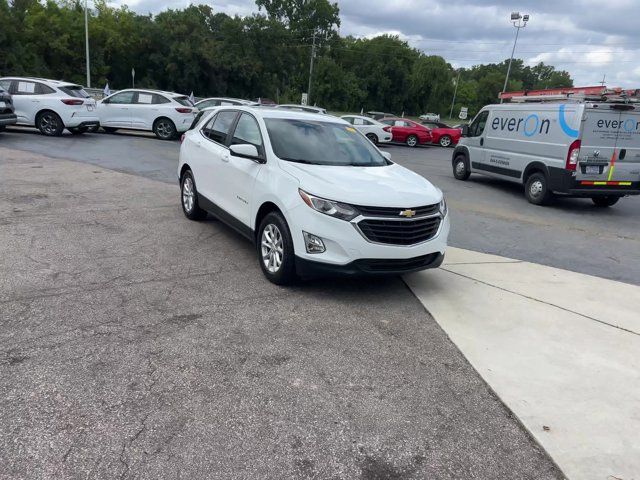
{"x": 299, "y": 160}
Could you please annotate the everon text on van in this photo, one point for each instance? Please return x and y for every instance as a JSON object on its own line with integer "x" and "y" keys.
{"x": 531, "y": 125}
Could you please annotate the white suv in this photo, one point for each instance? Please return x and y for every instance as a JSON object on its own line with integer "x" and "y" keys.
{"x": 312, "y": 192}
{"x": 164, "y": 113}
{"x": 51, "y": 105}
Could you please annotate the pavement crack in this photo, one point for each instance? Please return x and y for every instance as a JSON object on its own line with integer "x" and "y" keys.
{"x": 545, "y": 303}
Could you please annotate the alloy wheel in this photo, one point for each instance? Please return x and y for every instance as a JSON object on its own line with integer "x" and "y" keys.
{"x": 272, "y": 248}
{"x": 412, "y": 141}
{"x": 188, "y": 195}
{"x": 445, "y": 141}
{"x": 164, "y": 129}
{"x": 49, "y": 123}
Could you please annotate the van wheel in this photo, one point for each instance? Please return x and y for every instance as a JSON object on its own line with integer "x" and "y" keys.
{"x": 412, "y": 140}
{"x": 536, "y": 189}
{"x": 461, "y": 168}
{"x": 605, "y": 201}
{"x": 275, "y": 249}
{"x": 189, "y": 197}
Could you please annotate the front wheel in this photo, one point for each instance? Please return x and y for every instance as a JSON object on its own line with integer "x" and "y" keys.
{"x": 536, "y": 189}
{"x": 412, "y": 140}
{"x": 445, "y": 141}
{"x": 50, "y": 124}
{"x": 164, "y": 129}
{"x": 275, "y": 249}
{"x": 605, "y": 201}
{"x": 461, "y": 168}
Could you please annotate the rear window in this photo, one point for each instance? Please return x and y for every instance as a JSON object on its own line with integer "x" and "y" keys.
{"x": 183, "y": 101}
{"x": 75, "y": 91}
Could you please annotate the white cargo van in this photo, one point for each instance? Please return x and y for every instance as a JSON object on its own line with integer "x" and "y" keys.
{"x": 575, "y": 148}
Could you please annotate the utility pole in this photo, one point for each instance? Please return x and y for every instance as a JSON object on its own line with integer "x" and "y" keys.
{"x": 604, "y": 77}
{"x": 86, "y": 41}
{"x": 521, "y": 23}
{"x": 455, "y": 91}
{"x": 313, "y": 55}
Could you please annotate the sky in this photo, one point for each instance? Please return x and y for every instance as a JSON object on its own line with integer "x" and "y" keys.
{"x": 588, "y": 38}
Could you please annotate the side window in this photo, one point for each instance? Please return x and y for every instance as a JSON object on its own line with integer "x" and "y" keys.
{"x": 145, "y": 98}
{"x": 25, "y": 88}
{"x": 247, "y": 131}
{"x": 388, "y": 122}
{"x": 398, "y": 123}
{"x": 348, "y": 119}
{"x": 159, "y": 99}
{"x": 42, "y": 89}
{"x": 206, "y": 130}
{"x": 5, "y": 84}
{"x": 367, "y": 122}
{"x": 122, "y": 98}
{"x": 477, "y": 127}
{"x": 221, "y": 126}
{"x": 358, "y": 121}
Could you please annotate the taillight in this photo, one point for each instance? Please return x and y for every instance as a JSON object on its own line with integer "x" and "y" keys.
{"x": 387, "y": 129}
{"x": 183, "y": 110}
{"x": 72, "y": 101}
{"x": 572, "y": 156}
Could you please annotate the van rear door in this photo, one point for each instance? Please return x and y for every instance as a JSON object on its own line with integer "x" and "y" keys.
{"x": 610, "y": 148}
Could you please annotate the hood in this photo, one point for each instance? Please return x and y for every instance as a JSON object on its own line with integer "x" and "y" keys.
{"x": 390, "y": 186}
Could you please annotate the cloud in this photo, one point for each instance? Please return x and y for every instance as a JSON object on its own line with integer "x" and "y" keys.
{"x": 580, "y": 36}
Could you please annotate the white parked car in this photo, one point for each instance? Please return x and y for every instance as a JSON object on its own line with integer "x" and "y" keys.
{"x": 51, "y": 105}
{"x": 372, "y": 129}
{"x": 221, "y": 101}
{"x": 312, "y": 192}
{"x": 431, "y": 117}
{"x": 164, "y": 113}
{"x": 302, "y": 108}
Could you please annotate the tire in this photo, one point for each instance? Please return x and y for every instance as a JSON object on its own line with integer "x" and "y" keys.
{"x": 445, "y": 141}
{"x": 189, "y": 198}
{"x": 110, "y": 129}
{"x": 461, "y": 169}
{"x": 605, "y": 201}
{"x": 49, "y": 123}
{"x": 536, "y": 189}
{"x": 373, "y": 138}
{"x": 274, "y": 242}
{"x": 78, "y": 130}
{"x": 164, "y": 129}
{"x": 93, "y": 128}
{"x": 3, "y": 128}
{"x": 412, "y": 141}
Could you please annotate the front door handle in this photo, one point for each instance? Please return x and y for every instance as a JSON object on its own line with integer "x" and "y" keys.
{"x": 482, "y": 141}
{"x": 225, "y": 157}
{"x": 623, "y": 153}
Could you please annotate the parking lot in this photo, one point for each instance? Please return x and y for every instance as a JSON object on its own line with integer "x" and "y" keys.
{"x": 489, "y": 215}
{"x": 137, "y": 344}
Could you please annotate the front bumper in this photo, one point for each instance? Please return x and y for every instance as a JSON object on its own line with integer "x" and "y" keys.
{"x": 347, "y": 250}
{"x": 80, "y": 119}
{"x": 8, "y": 119}
{"x": 563, "y": 182}
{"x": 369, "y": 266}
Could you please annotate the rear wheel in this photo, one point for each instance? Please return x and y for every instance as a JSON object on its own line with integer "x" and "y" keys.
{"x": 445, "y": 141}
{"x": 536, "y": 189}
{"x": 110, "y": 129}
{"x": 373, "y": 138}
{"x": 164, "y": 129}
{"x": 275, "y": 250}
{"x": 605, "y": 201}
{"x": 461, "y": 168}
{"x": 412, "y": 140}
{"x": 189, "y": 197}
{"x": 78, "y": 130}
{"x": 49, "y": 123}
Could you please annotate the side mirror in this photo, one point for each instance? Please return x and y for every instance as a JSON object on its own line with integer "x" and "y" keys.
{"x": 386, "y": 155}
{"x": 246, "y": 150}
{"x": 465, "y": 131}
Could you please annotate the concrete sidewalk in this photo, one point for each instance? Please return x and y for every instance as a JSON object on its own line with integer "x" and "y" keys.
{"x": 561, "y": 349}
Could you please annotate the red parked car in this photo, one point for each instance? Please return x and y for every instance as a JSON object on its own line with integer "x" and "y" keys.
{"x": 407, "y": 131}
{"x": 442, "y": 133}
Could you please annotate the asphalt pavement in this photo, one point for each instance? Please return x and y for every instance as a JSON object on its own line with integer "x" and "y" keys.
{"x": 137, "y": 344}
{"x": 488, "y": 215}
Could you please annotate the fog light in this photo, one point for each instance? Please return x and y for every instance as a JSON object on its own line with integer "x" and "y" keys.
{"x": 313, "y": 244}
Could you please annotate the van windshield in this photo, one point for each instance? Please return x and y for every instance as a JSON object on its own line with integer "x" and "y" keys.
{"x": 321, "y": 143}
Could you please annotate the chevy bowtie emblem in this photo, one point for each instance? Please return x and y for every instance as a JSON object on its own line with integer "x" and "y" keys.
{"x": 408, "y": 213}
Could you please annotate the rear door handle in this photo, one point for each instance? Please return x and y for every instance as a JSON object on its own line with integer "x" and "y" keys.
{"x": 482, "y": 141}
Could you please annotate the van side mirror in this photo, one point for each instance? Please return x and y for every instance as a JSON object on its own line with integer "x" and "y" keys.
{"x": 246, "y": 150}
{"x": 465, "y": 131}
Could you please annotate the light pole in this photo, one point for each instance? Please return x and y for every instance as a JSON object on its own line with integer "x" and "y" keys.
{"x": 86, "y": 42}
{"x": 519, "y": 21}
{"x": 313, "y": 55}
{"x": 455, "y": 92}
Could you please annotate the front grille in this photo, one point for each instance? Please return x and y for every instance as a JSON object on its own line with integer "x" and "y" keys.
{"x": 400, "y": 232}
{"x": 395, "y": 212}
{"x": 396, "y": 265}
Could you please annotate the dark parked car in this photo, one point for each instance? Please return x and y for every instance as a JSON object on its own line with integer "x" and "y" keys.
{"x": 7, "y": 112}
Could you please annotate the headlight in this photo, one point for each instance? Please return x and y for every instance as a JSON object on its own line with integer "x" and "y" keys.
{"x": 443, "y": 207}
{"x": 329, "y": 207}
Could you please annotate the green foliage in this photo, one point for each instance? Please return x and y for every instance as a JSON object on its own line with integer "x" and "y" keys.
{"x": 263, "y": 55}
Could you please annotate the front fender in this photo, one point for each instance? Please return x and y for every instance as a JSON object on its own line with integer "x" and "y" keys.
{"x": 460, "y": 149}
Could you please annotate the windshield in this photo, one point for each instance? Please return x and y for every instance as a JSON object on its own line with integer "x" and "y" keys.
{"x": 321, "y": 143}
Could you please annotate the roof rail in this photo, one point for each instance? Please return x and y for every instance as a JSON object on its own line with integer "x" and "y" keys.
{"x": 610, "y": 96}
